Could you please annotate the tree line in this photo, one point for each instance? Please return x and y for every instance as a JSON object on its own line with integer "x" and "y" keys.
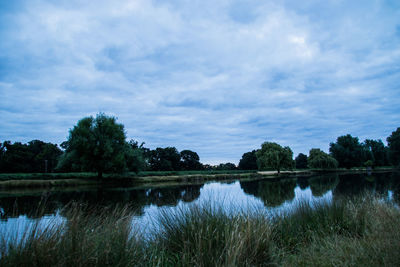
{"x": 99, "y": 144}
{"x": 346, "y": 152}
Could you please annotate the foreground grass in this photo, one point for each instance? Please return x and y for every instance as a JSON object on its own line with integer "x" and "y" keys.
{"x": 358, "y": 232}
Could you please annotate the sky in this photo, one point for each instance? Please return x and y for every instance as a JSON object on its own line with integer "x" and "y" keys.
{"x": 216, "y": 77}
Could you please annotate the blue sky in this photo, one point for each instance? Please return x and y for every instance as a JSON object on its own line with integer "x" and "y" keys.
{"x": 216, "y": 77}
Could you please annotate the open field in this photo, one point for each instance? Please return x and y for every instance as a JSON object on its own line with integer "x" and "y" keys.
{"x": 347, "y": 232}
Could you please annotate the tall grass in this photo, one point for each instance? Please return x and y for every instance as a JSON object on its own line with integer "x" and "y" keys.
{"x": 342, "y": 233}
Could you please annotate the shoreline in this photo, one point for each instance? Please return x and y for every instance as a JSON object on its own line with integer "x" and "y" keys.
{"x": 114, "y": 181}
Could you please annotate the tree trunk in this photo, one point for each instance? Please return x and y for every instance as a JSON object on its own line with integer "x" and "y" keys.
{"x": 99, "y": 175}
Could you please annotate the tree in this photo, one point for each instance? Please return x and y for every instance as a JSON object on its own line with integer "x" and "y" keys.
{"x": 394, "y": 147}
{"x": 348, "y": 151}
{"x": 318, "y": 159}
{"x": 273, "y": 156}
{"x": 190, "y": 160}
{"x": 248, "y": 161}
{"x": 98, "y": 144}
{"x": 136, "y": 156}
{"x": 376, "y": 152}
{"x": 36, "y": 156}
{"x": 301, "y": 161}
{"x": 229, "y": 166}
{"x": 165, "y": 159}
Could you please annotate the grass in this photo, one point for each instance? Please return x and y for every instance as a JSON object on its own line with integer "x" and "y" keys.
{"x": 348, "y": 232}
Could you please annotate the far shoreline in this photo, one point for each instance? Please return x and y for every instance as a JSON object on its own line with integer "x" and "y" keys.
{"x": 59, "y": 180}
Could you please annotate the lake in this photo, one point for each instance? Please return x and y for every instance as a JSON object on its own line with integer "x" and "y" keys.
{"x": 18, "y": 208}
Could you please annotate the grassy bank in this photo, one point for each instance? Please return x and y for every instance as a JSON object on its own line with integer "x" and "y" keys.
{"x": 26, "y": 180}
{"x": 346, "y": 233}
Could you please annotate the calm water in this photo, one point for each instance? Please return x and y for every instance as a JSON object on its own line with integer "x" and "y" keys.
{"x": 18, "y": 208}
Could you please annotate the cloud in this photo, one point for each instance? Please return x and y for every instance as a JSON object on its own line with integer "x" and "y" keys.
{"x": 215, "y": 77}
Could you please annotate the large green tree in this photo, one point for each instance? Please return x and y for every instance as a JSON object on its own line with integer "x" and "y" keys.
{"x": 165, "y": 159}
{"x": 394, "y": 147}
{"x": 248, "y": 161}
{"x": 190, "y": 160}
{"x": 376, "y": 152}
{"x": 301, "y": 161}
{"x": 98, "y": 144}
{"x": 318, "y": 159}
{"x": 274, "y": 156}
{"x": 348, "y": 151}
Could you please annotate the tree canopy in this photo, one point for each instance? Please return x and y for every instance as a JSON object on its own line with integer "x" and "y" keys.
{"x": 347, "y": 151}
{"x": 248, "y": 161}
{"x": 318, "y": 159}
{"x": 376, "y": 152}
{"x": 301, "y": 161}
{"x": 97, "y": 144}
{"x": 190, "y": 160}
{"x": 394, "y": 147}
{"x": 35, "y": 156}
{"x": 274, "y": 156}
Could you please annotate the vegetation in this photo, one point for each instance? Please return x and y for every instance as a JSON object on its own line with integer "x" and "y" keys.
{"x": 318, "y": 159}
{"x": 347, "y": 232}
{"x": 394, "y": 147}
{"x": 301, "y": 161}
{"x": 36, "y": 156}
{"x": 97, "y": 144}
{"x": 273, "y": 156}
{"x": 248, "y": 161}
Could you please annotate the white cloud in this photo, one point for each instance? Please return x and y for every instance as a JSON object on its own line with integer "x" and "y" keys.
{"x": 216, "y": 77}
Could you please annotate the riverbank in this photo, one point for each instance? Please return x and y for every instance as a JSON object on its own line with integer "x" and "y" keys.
{"x": 346, "y": 232}
{"x": 37, "y": 180}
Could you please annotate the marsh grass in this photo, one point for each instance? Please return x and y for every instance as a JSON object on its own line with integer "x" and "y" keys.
{"x": 346, "y": 232}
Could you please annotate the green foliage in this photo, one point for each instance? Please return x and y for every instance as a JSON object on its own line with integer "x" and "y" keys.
{"x": 348, "y": 151}
{"x": 35, "y": 157}
{"x": 190, "y": 160}
{"x": 248, "y": 161}
{"x": 376, "y": 152}
{"x": 97, "y": 144}
{"x": 273, "y": 156}
{"x": 226, "y": 167}
{"x": 346, "y": 232}
{"x": 301, "y": 161}
{"x": 318, "y": 159}
{"x": 165, "y": 159}
{"x": 394, "y": 147}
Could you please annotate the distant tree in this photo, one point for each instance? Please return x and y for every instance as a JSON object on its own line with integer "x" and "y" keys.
{"x": 98, "y": 144}
{"x": 318, "y": 159}
{"x": 165, "y": 159}
{"x": 136, "y": 159}
{"x": 248, "y": 161}
{"x": 273, "y": 156}
{"x": 190, "y": 160}
{"x": 301, "y": 161}
{"x": 348, "y": 151}
{"x": 376, "y": 152}
{"x": 394, "y": 147}
{"x": 226, "y": 166}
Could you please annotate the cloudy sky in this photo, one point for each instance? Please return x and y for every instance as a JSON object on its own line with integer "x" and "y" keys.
{"x": 216, "y": 77}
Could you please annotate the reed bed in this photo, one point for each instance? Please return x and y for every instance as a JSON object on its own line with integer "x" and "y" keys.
{"x": 346, "y": 232}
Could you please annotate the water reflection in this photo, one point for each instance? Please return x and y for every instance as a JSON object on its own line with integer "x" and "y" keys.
{"x": 270, "y": 194}
{"x": 48, "y": 203}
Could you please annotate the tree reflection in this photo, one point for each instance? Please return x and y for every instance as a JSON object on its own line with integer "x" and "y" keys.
{"x": 272, "y": 193}
{"x": 36, "y": 205}
{"x": 320, "y": 185}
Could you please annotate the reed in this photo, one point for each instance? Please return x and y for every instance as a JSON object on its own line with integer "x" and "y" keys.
{"x": 342, "y": 233}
